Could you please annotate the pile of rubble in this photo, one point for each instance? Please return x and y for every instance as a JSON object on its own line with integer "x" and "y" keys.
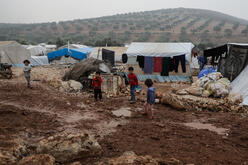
{"x": 132, "y": 159}
{"x": 210, "y": 93}
{"x": 211, "y": 85}
{"x": 61, "y": 148}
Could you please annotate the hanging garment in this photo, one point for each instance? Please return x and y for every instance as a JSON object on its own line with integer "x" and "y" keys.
{"x": 183, "y": 63}
{"x": 108, "y": 56}
{"x": 171, "y": 64}
{"x": 165, "y": 66}
{"x": 124, "y": 58}
{"x": 148, "y": 67}
{"x": 157, "y": 64}
{"x": 141, "y": 61}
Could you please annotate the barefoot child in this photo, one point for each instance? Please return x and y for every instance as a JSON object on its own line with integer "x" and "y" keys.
{"x": 150, "y": 98}
{"x": 97, "y": 83}
{"x": 133, "y": 81}
{"x": 27, "y": 71}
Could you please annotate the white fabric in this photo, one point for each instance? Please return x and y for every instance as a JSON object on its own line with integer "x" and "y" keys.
{"x": 36, "y": 50}
{"x": 160, "y": 49}
{"x": 240, "y": 85}
{"x": 39, "y": 60}
{"x": 194, "y": 63}
{"x": 13, "y": 53}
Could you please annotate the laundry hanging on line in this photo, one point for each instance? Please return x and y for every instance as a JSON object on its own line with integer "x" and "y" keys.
{"x": 148, "y": 65}
{"x": 157, "y": 63}
{"x": 182, "y": 60}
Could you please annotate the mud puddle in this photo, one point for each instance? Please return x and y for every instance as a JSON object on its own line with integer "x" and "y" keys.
{"x": 210, "y": 127}
{"x": 123, "y": 112}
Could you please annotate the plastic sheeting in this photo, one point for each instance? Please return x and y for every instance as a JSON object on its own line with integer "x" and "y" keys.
{"x": 39, "y": 60}
{"x": 36, "y": 50}
{"x": 206, "y": 71}
{"x": 240, "y": 85}
{"x": 13, "y": 53}
{"x": 160, "y": 49}
{"x": 78, "y": 54}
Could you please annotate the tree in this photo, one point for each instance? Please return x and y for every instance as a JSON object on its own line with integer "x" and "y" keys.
{"x": 60, "y": 42}
{"x": 165, "y": 37}
{"x": 228, "y": 32}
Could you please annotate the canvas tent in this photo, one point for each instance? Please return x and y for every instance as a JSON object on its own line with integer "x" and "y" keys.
{"x": 230, "y": 58}
{"x": 13, "y": 53}
{"x": 39, "y": 60}
{"x": 240, "y": 85}
{"x": 73, "y": 55}
{"x": 36, "y": 50}
{"x": 160, "y": 49}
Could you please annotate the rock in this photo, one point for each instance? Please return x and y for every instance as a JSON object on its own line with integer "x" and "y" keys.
{"x": 130, "y": 158}
{"x": 75, "y": 85}
{"x": 41, "y": 159}
{"x": 76, "y": 163}
{"x": 67, "y": 147}
{"x": 157, "y": 101}
{"x": 14, "y": 150}
{"x": 235, "y": 98}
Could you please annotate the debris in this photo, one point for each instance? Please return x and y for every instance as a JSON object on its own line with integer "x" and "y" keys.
{"x": 41, "y": 159}
{"x": 66, "y": 147}
{"x": 71, "y": 86}
{"x": 11, "y": 154}
{"x": 131, "y": 158}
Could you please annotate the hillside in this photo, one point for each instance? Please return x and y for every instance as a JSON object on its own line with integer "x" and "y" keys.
{"x": 195, "y": 25}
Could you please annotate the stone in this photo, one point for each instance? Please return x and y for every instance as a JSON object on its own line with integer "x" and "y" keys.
{"x": 67, "y": 147}
{"x": 15, "y": 150}
{"x": 76, "y": 163}
{"x": 131, "y": 158}
{"x": 75, "y": 85}
{"x": 41, "y": 159}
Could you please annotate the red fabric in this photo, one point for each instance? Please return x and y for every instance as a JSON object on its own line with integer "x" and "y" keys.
{"x": 97, "y": 83}
{"x": 157, "y": 64}
{"x": 195, "y": 54}
{"x": 133, "y": 81}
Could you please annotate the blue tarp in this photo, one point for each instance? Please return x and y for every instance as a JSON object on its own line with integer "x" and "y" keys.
{"x": 206, "y": 71}
{"x": 79, "y": 54}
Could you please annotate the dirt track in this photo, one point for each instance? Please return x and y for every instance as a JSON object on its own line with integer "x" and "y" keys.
{"x": 36, "y": 113}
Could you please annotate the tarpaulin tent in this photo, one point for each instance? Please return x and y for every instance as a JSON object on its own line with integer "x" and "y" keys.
{"x": 36, "y": 50}
{"x": 13, "y": 53}
{"x": 39, "y": 60}
{"x": 160, "y": 49}
{"x": 181, "y": 52}
{"x": 240, "y": 85}
{"x": 78, "y": 54}
{"x": 231, "y": 58}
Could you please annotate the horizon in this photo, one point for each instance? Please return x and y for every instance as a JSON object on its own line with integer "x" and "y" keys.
{"x": 37, "y": 11}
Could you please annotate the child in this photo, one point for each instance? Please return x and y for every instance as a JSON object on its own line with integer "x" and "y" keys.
{"x": 96, "y": 83}
{"x": 133, "y": 81}
{"x": 27, "y": 71}
{"x": 150, "y": 98}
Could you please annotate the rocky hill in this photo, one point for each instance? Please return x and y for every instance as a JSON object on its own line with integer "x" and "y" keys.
{"x": 181, "y": 24}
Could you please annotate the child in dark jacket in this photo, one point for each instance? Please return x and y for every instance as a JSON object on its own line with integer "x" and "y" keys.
{"x": 133, "y": 81}
{"x": 150, "y": 98}
{"x": 96, "y": 84}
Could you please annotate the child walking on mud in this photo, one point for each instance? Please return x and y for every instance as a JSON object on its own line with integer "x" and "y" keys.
{"x": 150, "y": 99}
{"x": 133, "y": 81}
{"x": 96, "y": 84}
{"x": 27, "y": 71}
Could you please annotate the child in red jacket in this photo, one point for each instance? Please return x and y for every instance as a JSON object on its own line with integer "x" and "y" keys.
{"x": 133, "y": 81}
{"x": 96, "y": 84}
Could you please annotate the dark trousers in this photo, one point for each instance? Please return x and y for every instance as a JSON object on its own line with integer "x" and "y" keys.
{"x": 165, "y": 66}
{"x": 183, "y": 63}
{"x": 98, "y": 92}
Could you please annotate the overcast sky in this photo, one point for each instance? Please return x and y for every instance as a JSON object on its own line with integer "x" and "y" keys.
{"x": 35, "y": 11}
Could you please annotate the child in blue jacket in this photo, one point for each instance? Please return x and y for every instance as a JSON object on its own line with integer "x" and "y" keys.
{"x": 150, "y": 98}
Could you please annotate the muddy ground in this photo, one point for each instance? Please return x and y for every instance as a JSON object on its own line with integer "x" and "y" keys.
{"x": 192, "y": 137}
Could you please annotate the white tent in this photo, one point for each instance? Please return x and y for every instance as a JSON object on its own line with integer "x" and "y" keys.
{"x": 36, "y": 50}
{"x": 39, "y": 60}
{"x": 240, "y": 85}
{"x": 160, "y": 49}
{"x": 13, "y": 53}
